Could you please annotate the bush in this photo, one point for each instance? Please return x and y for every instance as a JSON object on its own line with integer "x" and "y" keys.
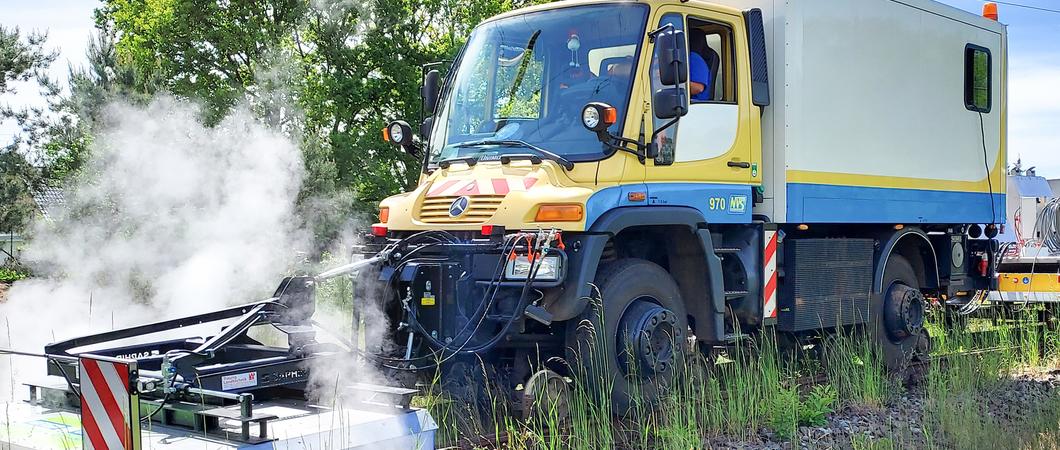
{"x": 784, "y": 418}
{"x": 790, "y": 411}
{"x": 818, "y": 405}
{"x": 11, "y": 274}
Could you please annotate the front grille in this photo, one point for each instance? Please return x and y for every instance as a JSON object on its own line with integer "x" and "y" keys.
{"x": 480, "y": 209}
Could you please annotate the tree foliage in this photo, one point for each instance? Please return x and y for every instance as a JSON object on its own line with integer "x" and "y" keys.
{"x": 331, "y": 73}
{"x": 21, "y": 59}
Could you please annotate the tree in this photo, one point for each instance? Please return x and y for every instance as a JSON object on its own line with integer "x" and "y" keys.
{"x": 203, "y": 49}
{"x": 346, "y": 66}
{"x": 20, "y": 60}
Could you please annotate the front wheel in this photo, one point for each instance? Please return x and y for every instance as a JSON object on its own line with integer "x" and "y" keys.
{"x": 631, "y": 343}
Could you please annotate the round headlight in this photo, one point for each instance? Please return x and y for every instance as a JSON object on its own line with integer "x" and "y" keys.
{"x": 396, "y": 133}
{"x": 597, "y": 116}
{"x": 590, "y": 117}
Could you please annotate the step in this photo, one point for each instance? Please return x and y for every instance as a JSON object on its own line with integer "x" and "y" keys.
{"x": 735, "y": 294}
{"x": 726, "y": 250}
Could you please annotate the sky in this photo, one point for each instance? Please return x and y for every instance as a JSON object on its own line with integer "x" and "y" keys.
{"x": 1034, "y": 66}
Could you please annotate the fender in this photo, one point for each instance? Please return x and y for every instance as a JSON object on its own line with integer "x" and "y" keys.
{"x": 586, "y": 249}
{"x": 890, "y": 241}
{"x": 585, "y": 261}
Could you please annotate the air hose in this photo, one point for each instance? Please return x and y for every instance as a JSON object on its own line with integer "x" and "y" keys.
{"x": 1047, "y": 225}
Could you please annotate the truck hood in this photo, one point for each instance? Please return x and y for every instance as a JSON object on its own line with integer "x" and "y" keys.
{"x": 465, "y": 198}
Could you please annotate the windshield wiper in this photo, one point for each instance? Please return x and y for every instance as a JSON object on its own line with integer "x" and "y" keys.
{"x": 469, "y": 160}
{"x": 564, "y": 162}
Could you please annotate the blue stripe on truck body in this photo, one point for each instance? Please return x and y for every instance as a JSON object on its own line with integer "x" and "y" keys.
{"x": 823, "y": 203}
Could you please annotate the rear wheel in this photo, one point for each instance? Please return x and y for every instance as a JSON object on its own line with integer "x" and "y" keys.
{"x": 631, "y": 344}
{"x": 897, "y": 323}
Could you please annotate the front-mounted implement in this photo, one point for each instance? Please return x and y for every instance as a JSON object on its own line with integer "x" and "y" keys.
{"x": 240, "y": 375}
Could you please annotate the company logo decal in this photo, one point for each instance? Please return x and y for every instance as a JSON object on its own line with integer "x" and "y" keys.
{"x": 459, "y": 206}
{"x": 737, "y": 204}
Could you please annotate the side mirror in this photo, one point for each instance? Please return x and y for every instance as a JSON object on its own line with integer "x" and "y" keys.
{"x": 425, "y": 128}
{"x": 429, "y": 91}
{"x": 672, "y": 56}
{"x": 670, "y": 102}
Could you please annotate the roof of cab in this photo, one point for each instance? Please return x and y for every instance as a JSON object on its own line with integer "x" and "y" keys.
{"x": 569, "y": 3}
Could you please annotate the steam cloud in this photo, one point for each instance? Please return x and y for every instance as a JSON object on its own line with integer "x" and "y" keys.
{"x": 171, "y": 218}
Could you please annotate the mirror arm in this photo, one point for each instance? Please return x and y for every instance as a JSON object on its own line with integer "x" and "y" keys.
{"x": 656, "y": 32}
{"x": 414, "y": 149}
{"x": 653, "y": 148}
{"x": 617, "y": 143}
{"x": 666, "y": 125}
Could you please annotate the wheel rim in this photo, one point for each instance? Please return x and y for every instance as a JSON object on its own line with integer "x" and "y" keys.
{"x": 647, "y": 336}
{"x": 903, "y": 312}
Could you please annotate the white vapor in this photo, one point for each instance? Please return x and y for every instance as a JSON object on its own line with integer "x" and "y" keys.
{"x": 171, "y": 218}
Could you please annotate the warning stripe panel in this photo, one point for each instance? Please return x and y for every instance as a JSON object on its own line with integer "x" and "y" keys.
{"x": 500, "y": 186}
{"x": 118, "y": 384}
{"x": 91, "y": 437}
{"x": 105, "y": 404}
{"x": 493, "y": 186}
{"x": 769, "y": 291}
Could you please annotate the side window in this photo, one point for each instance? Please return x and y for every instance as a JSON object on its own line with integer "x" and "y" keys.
{"x": 977, "y": 78}
{"x": 712, "y": 59}
{"x": 666, "y": 139}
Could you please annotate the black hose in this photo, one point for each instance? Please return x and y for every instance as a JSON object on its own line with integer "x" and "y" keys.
{"x": 66, "y": 377}
{"x": 161, "y": 406}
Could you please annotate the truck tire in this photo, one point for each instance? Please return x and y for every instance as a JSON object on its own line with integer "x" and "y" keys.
{"x": 897, "y": 321}
{"x": 632, "y": 341}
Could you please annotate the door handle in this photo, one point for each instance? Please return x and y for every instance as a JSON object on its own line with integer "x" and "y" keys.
{"x": 740, "y": 164}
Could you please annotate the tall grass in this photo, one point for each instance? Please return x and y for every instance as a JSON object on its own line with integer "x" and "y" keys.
{"x": 748, "y": 392}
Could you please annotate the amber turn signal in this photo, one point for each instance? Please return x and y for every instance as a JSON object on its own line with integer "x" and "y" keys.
{"x": 559, "y": 213}
{"x": 384, "y": 215}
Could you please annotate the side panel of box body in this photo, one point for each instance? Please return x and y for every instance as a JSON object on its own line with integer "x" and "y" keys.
{"x": 868, "y": 122}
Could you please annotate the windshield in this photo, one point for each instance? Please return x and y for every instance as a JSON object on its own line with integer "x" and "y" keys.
{"x": 522, "y": 81}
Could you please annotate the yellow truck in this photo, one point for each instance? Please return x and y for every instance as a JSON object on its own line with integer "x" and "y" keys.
{"x": 632, "y": 176}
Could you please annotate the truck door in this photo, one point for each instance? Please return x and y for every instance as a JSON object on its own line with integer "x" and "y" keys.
{"x": 713, "y": 143}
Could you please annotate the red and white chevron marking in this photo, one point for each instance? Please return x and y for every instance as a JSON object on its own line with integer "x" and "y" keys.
{"x": 105, "y": 405}
{"x": 769, "y": 292}
{"x": 494, "y": 186}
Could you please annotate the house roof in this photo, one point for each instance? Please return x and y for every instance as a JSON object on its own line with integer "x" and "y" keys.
{"x": 49, "y": 200}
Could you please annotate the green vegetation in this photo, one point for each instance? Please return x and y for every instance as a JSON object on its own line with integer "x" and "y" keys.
{"x": 719, "y": 399}
{"x": 22, "y": 58}
{"x": 9, "y": 275}
{"x": 329, "y": 73}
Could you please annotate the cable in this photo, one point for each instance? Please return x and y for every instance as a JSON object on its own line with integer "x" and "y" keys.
{"x": 986, "y": 164}
{"x": 1047, "y": 225}
{"x": 51, "y": 359}
{"x": 66, "y": 377}
{"x": 1039, "y": 8}
{"x": 481, "y": 311}
{"x": 161, "y": 406}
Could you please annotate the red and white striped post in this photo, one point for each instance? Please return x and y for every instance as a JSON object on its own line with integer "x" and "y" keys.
{"x": 110, "y": 406}
{"x": 769, "y": 278}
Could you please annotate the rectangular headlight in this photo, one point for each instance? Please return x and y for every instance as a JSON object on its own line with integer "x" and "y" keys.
{"x": 519, "y": 269}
